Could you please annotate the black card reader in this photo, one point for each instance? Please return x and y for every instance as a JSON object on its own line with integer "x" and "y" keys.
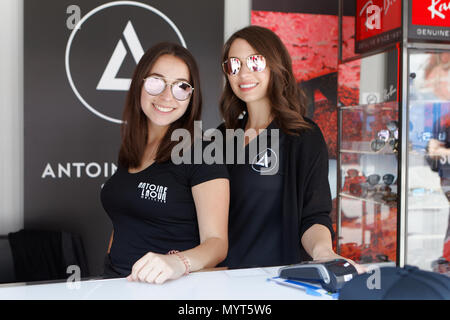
{"x": 331, "y": 274}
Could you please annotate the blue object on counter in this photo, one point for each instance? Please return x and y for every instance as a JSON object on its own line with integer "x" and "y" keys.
{"x": 308, "y": 288}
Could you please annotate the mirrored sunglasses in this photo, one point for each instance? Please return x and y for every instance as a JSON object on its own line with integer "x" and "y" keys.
{"x": 255, "y": 63}
{"x": 181, "y": 90}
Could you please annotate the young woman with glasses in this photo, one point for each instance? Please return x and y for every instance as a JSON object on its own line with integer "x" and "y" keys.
{"x": 276, "y": 218}
{"x": 168, "y": 219}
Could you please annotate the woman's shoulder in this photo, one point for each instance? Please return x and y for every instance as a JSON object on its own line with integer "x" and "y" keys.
{"x": 240, "y": 124}
{"x": 221, "y": 127}
{"x": 310, "y": 135}
{"x": 309, "y": 145}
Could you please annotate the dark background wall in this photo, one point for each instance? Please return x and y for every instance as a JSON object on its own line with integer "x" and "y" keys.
{"x": 305, "y": 6}
{"x": 70, "y": 151}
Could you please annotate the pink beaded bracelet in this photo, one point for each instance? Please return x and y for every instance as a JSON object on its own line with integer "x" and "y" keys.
{"x": 186, "y": 262}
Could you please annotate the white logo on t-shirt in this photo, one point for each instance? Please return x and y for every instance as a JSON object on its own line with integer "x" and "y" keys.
{"x": 150, "y": 191}
{"x": 265, "y": 162}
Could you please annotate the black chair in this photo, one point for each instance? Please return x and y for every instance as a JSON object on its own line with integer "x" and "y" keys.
{"x": 41, "y": 255}
{"x": 7, "y": 273}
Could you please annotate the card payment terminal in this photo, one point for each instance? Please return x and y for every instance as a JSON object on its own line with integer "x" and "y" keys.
{"x": 331, "y": 274}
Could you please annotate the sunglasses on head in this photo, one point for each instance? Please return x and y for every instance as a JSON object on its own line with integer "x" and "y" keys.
{"x": 255, "y": 63}
{"x": 181, "y": 90}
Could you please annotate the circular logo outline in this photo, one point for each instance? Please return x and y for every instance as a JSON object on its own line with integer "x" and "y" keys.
{"x": 272, "y": 153}
{"x": 78, "y": 26}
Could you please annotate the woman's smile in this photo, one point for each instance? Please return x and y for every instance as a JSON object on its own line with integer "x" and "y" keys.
{"x": 247, "y": 86}
{"x": 162, "y": 109}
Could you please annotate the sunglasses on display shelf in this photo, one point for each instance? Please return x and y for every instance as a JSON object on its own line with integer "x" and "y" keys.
{"x": 386, "y": 137}
{"x": 255, "y": 63}
{"x": 390, "y": 198}
{"x": 374, "y": 179}
{"x": 385, "y": 196}
{"x": 388, "y": 179}
{"x": 181, "y": 90}
{"x": 368, "y": 188}
{"x": 392, "y": 126}
{"x": 357, "y": 190}
{"x": 352, "y": 173}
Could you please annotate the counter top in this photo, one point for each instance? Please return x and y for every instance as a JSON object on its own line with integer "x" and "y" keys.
{"x": 238, "y": 284}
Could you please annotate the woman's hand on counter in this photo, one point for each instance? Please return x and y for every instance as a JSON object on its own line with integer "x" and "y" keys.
{"x": 157, "y": 268}
{"x": 329, "y": 255}
{"x": 317, "y": 243}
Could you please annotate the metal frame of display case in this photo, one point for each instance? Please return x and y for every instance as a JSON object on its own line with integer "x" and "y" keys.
{"x": 342, "y": 60}
{"x": 405, "y": 47}
{"x": 403, "y": 157}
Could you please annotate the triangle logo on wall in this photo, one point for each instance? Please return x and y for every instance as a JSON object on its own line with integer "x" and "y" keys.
{"x": 109, "y": 80}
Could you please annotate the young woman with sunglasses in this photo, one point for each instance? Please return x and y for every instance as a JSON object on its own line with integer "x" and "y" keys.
{"x": 168, "y": 219}
{"x": 274, "y": 218}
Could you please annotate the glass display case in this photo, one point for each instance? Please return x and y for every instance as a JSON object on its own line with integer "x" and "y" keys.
{"x": 394, "y": 143}
{"x": 368, "y": 150}
{"x": 428, "y": 189}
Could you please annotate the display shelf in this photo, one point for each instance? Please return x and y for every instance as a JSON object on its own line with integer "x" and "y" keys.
{"x": 368, "y": 147}
{"x": 418, "y": 236}
{"x": 367, "y": 152}
{"x": 365, "y": 108}
{"x": 422, "y": 102}
{"x": 368, "y": 200}
{"x": 407, "y": 83}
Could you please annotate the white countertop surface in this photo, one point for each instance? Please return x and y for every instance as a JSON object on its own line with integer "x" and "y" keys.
{"x": 239, "y": 284}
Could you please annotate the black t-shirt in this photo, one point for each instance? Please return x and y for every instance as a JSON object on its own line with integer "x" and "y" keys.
{"x": 153, "y": 210}
{"x": 255, "y": 217}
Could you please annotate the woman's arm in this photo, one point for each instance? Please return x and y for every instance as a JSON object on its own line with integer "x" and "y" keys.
{"x": 437, "y": 148}
{"x": 212, "y": 202}
{"x": 316, "y": 225}
{"x": 317, "y": 243}
{"x": 110, "y": 242}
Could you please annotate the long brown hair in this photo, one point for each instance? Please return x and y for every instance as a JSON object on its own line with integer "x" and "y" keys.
{"x": 135, "y": 129}
{"x": 287, "y": 100}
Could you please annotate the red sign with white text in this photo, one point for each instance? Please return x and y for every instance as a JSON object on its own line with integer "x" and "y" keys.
{"x": 378, "y": 23}
{"x": 374, "y": 17}
{"x": 434, "y": 13}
